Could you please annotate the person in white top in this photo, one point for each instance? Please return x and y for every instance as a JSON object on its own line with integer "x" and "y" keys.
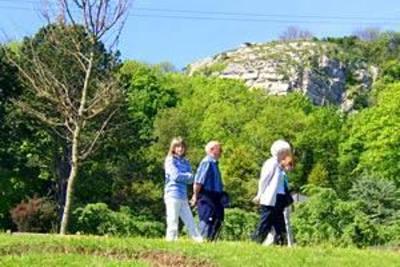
{"x": 282, "y": 223}
{"x": 271, "y": 192}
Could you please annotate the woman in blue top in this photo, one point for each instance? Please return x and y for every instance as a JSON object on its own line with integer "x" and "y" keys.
{"x": 178, "y": 175}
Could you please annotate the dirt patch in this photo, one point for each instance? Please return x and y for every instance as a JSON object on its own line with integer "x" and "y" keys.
{"x": 163, "y": 259}
{"x": 154, "y": 257}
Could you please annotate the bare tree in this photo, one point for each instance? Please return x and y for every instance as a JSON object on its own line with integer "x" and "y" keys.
{"x": 294, "y": 33}
{"x": 368, "y": 34}
{"x": 78, "y": 110}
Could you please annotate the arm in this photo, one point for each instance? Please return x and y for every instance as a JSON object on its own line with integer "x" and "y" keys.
{"x": 267, "y": 172}
{"x": 175, "y": 174}
{"x": 196, "y": 190}
{"x": 199, "y": 181}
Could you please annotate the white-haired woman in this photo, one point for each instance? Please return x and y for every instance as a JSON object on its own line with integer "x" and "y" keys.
{"x": 178, "y": 175}
{"x": 271, "y": 192}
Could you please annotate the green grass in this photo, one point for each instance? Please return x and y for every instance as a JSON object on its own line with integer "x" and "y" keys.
{"x": 44, "y": 259}
{"x": 20, "y": 250}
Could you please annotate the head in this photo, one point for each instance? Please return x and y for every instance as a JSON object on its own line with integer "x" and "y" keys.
{"x": 280, "y": 149}
{"x": 287, "y": 163}
{"x": 214, "y": 149}
{"x": 178, "y": 147}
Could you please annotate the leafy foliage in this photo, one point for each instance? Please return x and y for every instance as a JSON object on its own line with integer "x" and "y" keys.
{"x": 324, "y": 218}
{"x": 238, "y": 225}
{"x": 99, "y": 219}
{"x": 372, "y": 138}
{"x": 378, "y": 198}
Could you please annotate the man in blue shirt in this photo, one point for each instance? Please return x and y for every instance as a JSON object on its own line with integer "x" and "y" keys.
{"x": 208, "y": 192}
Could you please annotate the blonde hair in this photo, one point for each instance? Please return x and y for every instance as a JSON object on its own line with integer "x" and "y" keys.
{"x": 176, "y": 141}
{"x": 210, "y": 145}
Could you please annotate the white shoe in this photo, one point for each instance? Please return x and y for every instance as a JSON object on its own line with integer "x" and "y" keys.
{"x": 198, "y": 239}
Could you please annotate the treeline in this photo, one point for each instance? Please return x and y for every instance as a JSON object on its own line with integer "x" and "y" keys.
{"x": 348, "y": 164}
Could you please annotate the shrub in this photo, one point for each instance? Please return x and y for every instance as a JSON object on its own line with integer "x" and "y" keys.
{"x": 90, "y": 219}
{"x": 325, "y": 218}
{"x": 35, "y": 215}
{"x": 391, "y": 71}
{"x": 238, "y": 224}
{"x": 379, "y": 199}
{"x": 319, "y": 176}
{"x": 390, "y": 234}
{"x": 100, "y": 220}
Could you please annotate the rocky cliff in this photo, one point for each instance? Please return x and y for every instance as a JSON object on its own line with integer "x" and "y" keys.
{"x": 313, "y": 68}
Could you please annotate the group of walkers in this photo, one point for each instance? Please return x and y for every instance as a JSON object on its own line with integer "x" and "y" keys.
{"x": 210, "y": 198}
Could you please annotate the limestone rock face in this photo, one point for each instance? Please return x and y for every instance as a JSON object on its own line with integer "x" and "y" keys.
{"x": 279, "y": 68}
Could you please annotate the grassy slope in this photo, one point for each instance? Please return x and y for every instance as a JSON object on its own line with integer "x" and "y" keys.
{"x": 102, "y": 251}
{"x": 41, "y": 259}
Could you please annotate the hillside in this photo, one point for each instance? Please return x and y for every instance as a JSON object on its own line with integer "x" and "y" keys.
{"x": 313, "y": 68}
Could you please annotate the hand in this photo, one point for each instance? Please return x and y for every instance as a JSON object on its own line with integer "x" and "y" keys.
{"x": 193, "y": 201}
{"x": 256, "y": 200}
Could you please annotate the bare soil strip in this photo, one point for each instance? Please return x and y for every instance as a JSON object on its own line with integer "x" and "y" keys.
{"x": 154, "y": 257}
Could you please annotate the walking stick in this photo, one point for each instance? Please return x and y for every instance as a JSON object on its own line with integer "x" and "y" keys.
{"x": 289, "y": 232}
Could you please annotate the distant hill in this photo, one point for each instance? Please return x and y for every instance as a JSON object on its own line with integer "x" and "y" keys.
{"x": 317, "y": 69}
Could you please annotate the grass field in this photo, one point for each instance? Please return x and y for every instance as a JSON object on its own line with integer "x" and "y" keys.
{"x": 35, "y": 250}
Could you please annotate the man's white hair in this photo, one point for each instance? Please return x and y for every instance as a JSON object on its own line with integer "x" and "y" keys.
{"x": 280, "y": 146}
{"x": 210, "y": 145}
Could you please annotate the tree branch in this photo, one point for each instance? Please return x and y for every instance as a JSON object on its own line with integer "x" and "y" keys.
{"x": 37, "y": 114}
{"x": 88, "y": 151}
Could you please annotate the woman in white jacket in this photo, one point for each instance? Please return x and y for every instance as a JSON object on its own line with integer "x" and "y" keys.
{"x": 271, "y": 190}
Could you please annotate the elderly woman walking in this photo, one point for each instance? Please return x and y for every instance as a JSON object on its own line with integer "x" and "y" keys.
{"x": 271, "y": 193}
{"x": 178, "y": 175}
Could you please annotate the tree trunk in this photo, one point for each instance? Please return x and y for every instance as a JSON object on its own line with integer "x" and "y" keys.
{"x": 62, "y": 169}
{"x": 75, "y": 148}
{"x": 71, "y": 181}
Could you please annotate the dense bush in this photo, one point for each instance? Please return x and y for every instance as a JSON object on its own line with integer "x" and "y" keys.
{"x": 35, "y": 215}
{"x": 238, "y": 224}
{"x": 100, "y": 220}
{"x": 379, "y": 199}
{"x": 325, "y": 218}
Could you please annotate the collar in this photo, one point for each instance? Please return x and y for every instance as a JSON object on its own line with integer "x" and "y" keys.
{"x": 277, "y": 162}
{"x": 178, "y": 157}
{"x": 211, "y": 158}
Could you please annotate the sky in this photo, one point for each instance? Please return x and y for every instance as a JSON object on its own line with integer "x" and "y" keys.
{"x": 183, "y": 31}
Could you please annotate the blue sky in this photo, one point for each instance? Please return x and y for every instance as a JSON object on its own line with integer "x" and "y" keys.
{"x": 153, "y": 32}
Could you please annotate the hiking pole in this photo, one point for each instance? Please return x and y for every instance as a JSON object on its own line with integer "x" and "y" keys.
{"x": 289, "y": 232}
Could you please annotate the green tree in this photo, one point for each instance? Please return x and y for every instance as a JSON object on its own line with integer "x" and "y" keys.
{"x": 19, "y": 178}
{"x": 77, "y": 109}
{"x": 371, "y": 140}
{"x": 378, "y": 198}
{"x": 146, "y": 95}
{"x": 319, "y": 142}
